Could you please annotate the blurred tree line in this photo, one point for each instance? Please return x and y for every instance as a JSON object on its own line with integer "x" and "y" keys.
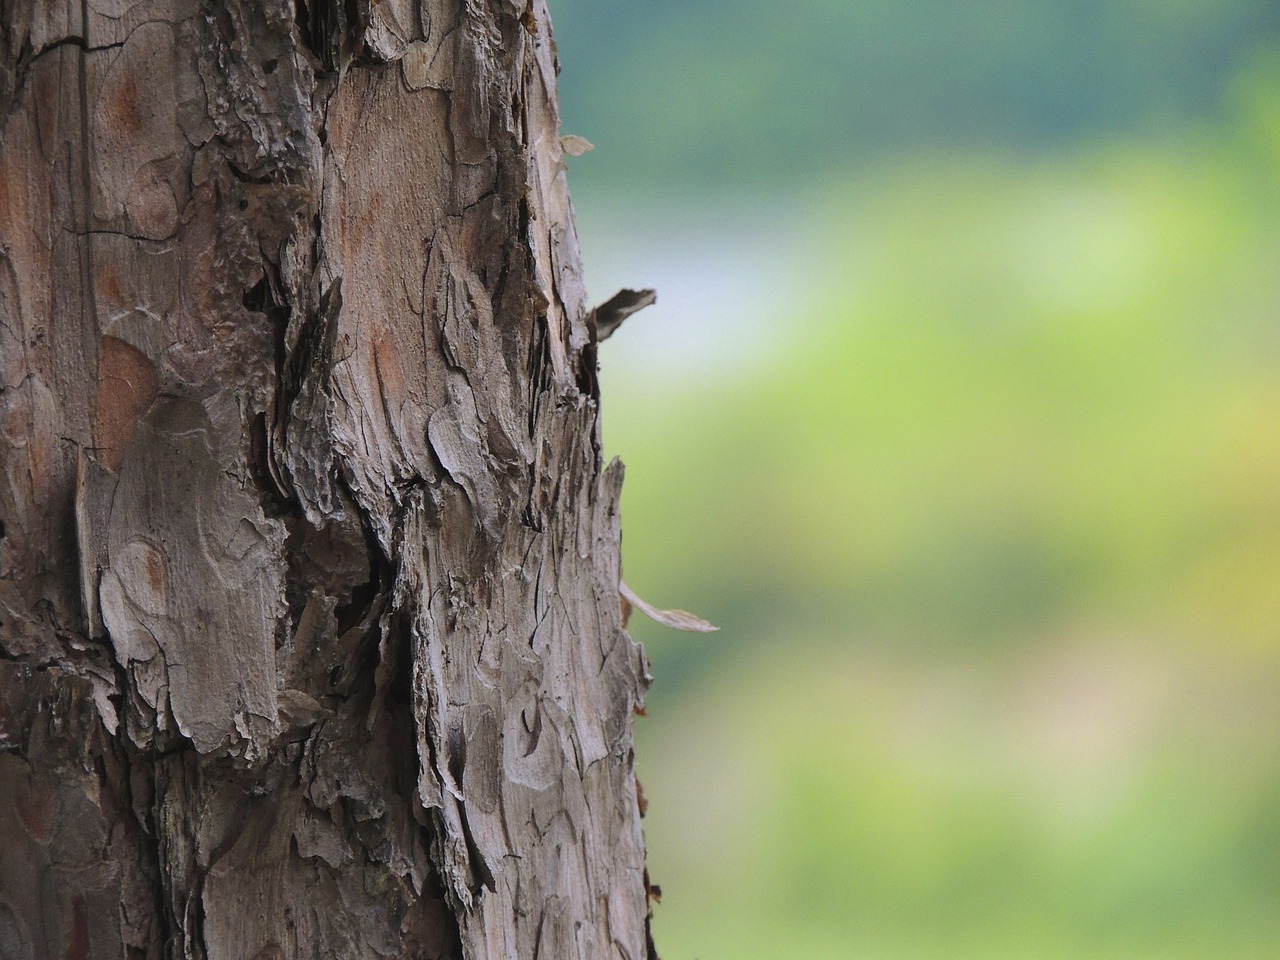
{"x": 754, "y": 91}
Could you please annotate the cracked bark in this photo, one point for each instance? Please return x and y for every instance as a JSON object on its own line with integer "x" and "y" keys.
{"x": 310, "y": 640}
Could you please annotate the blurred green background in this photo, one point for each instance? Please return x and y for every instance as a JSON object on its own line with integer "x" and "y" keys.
{"x": 960, "y": 413}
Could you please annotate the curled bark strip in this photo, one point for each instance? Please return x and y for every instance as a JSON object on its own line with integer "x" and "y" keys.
{"x": 675, "y": 619}
{"x": 610, "y": 314}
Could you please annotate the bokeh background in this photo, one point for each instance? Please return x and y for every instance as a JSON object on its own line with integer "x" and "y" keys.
{"x": 959, "y": 412}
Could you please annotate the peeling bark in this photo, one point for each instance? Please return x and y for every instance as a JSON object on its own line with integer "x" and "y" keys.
{"x": 310, "y": 638}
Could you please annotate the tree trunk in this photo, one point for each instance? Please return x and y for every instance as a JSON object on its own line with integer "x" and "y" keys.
{"x": 309, "y": 567}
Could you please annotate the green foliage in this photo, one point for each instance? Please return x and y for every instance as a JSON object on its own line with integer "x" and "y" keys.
{"x": 991, "y": 519}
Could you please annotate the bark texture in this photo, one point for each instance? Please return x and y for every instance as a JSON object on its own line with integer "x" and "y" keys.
{"x": 310, "y": 642}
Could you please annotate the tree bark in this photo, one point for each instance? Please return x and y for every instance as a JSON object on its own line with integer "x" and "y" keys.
{"x": 309, "y": 567}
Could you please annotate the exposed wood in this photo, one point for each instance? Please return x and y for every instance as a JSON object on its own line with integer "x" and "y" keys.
{"x": 310, "y": 641}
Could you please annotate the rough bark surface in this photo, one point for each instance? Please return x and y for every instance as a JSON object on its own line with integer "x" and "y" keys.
{"x": 310, "y": 641}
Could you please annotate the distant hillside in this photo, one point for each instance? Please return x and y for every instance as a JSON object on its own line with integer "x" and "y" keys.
{"x": 732, "y": 93}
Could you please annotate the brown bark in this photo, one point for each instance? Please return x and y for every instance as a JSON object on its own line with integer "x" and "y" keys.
{"x": 311, "y": 641}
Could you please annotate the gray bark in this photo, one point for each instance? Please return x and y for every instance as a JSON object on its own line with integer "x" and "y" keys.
{"x": 310, "y": 635}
